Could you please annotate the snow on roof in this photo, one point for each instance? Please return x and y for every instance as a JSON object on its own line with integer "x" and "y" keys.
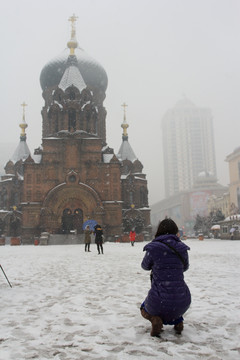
{"x": 139, "y": 178}
{"x": 84, "y": 105}
{"x": 233, "y": 217}
{"x": 93, "y": 136}
{"x": 9, "y": 179}
{"x": 21, "y": 153}
{"x": 72, "y": 76}
{"x": 205, "y": 174}
{"x": 112, "y": 202}
{"x": 107, "y": 157}
{"x": 31, "y": 202}
{"x": 20, "y": 177}
{"x": 58, "y": 104}
{"x": 54, "y": 137}
{"x": 37, "y": 158}
{"x": 126, "y": 152}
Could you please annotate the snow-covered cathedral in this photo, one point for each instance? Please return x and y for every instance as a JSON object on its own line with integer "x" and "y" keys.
{"x": 74, "y": 176}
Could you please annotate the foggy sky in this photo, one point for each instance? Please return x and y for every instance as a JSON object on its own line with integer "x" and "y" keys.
{"x": 154, "y": 52}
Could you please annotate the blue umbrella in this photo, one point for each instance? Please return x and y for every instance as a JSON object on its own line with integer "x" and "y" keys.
{"x": 90, "y": 223}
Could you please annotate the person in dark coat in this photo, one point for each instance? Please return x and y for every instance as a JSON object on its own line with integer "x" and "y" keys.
{"x": 99, "y": 238}
{"x": 169, "y": 297}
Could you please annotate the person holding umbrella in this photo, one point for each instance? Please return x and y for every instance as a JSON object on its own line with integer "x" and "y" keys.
{"x": 87, "y": 238}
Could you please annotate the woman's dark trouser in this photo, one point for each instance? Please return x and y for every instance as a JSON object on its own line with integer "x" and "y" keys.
{"x": 99, "y": 246}
{"x": 87, "y": 247}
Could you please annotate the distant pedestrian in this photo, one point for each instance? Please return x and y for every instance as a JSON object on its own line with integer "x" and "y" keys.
{"x": 87, "y": 238}
{"x": 132, "y": 237}
{"x": 99, "y": 238}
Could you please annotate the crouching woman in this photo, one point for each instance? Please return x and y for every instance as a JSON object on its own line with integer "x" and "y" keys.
{"x": 169, "y": 297}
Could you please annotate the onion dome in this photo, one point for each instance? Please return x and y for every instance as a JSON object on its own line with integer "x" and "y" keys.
{"x": 92, "y": 72}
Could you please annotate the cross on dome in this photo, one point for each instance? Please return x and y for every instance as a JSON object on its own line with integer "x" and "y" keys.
{"x": 124, "y": 105}
{"x": 72, "y": 44}
{"x": 24, "y": 105}
{"x": 23, "y": 124}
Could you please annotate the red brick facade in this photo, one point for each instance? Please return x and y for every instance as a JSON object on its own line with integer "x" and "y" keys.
{"x": 74, "y": 176}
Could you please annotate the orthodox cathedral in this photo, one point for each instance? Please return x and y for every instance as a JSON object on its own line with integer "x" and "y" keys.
{"x": 74, "y": 177}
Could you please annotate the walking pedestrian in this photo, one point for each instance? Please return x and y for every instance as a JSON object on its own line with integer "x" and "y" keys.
{"x": 132, "y": 237}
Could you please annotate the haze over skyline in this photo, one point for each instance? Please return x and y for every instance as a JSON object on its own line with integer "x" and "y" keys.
{"x": 154, "y": 52}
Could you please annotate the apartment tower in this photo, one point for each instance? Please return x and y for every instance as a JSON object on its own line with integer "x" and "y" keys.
{"x": 188, "y": 146}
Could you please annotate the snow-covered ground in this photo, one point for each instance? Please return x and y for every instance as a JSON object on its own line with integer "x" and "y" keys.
{"x": 67, "y": 304}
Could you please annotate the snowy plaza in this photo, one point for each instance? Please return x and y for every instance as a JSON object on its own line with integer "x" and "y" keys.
{"x": 67, "y": 304}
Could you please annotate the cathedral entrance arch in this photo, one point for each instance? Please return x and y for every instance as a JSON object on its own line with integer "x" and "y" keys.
{"x": 67, "y": 221}
{"x": 72, "y": 221}
{"x": 68, "y": 206}
{"x": 78, "y": 220}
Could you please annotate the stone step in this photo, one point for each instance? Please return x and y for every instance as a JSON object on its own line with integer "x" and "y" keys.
{"x": 65, "y": 239}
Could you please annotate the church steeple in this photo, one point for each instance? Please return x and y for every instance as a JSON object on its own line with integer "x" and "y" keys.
{"x": 72, "y": 43}
{"x": 23, "y": 125}
{"x": 22, "y": 151}
{"x": 125, "y": 152}
{"x": 124, "y": 124}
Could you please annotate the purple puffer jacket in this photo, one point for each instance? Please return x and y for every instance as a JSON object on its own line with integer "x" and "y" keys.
{"x": 169, "y": 296}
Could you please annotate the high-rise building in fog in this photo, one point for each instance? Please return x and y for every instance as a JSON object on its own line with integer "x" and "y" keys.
{"x": 188, "y": 146}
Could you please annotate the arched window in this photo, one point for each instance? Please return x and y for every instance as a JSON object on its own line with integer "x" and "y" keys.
{"x": 143, "y": 196}
{"x": 72, "y": 220}
{"x": 3, "y": 198}
{"x": 131, "y": 197}
{"x": 71, "y": 120}
{"x": 72, "y": 95}
{"x": 15, "y": 198}
{"x": 94, "y": 126}
{"x": 88, "y": 119}
{"x": 56, "y": 122}
{"x": 67, "y": 221}
{"x": 78, "y": 220}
